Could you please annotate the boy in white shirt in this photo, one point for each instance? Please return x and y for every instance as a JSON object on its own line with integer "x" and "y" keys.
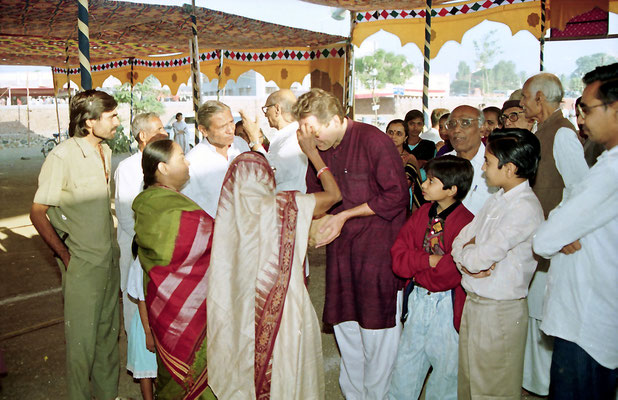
{"x": 494, "y": 254}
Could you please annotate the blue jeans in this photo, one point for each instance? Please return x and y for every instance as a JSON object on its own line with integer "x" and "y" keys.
{"x": 575, "y": 375}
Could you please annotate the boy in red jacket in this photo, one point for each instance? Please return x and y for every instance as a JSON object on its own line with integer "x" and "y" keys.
{"x": 422, "y": 253}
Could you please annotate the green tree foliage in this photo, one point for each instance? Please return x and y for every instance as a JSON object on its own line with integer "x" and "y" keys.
{"x": 486, "y": 53}
{"x": 387, "y": 67}
{"x": 585, "y": 64}
{"x": 144, "y": 99}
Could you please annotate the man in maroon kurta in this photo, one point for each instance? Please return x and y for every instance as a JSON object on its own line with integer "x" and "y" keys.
{"x": 361, "y": 289}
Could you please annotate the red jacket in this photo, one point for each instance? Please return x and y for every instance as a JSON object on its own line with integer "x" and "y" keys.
{"x": 410, "y": 260}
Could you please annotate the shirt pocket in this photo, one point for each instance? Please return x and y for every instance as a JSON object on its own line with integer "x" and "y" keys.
{"x": 355, "y": 187}
{"x": 88, "y": 188}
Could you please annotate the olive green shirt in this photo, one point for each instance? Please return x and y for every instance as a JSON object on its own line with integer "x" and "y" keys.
{"x": 73, "y": 184}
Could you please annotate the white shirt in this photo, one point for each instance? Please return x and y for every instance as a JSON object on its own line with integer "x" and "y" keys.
{"x": 288, "y": 160}
{"x": 206, "y": 170}
{"x": 479, "y": 191}
{"x": 431, "y": 134}
{"x": 571, "y": 165}
{"x": 129, "y": 180}
{"x": 179, "y": 127}
{"x": 581, "y": 302}
{"x": 503, "y": 230}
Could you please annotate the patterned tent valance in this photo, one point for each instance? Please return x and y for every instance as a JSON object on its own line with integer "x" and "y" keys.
{"x": 283, "y": 66}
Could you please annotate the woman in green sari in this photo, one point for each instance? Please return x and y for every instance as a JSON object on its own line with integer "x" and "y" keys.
{"x": 174, "y": 238}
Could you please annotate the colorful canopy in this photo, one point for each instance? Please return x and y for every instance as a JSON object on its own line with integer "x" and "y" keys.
{"x": 36, "y": 32}
{"x": 406, "y": 18}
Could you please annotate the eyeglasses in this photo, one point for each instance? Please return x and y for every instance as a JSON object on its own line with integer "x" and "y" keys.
{"x": 463, "y": 123}
{"x": 584, "y": 109}
{"x": 392, "y": 132}
{"x": 513, "y": 117}
{"x": 265, "y": 108}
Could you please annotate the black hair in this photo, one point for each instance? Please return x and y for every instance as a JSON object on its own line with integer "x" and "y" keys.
{"x": 89, "y": 104}
{"x": 178, "y": 115}
{"x": 413, "y": 114}
{"x": 452, "y": 171}
{"x": 238, "y": 123}
{"x": 154, "y": 153}
{"x": 608, "y": 75}
{"x": 518, "y": 146}
{"x": 398, "y": 121}
{"x": 494, "y": 110}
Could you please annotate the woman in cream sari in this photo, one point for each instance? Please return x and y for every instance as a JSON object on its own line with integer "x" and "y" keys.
{"x": 263, "y": 333}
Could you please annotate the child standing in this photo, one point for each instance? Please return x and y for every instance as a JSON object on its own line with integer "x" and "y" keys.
{"x": 494, "y": 254}
{"x": 422, "y": 252}
{"x": 141, "y": 357}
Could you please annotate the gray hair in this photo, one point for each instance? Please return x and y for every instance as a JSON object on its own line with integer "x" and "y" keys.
{"x": 207, "y": 110}
{"x": 140, "y": 123}
{"x": 481, "y": 116}
{"x": 548, "y": 84}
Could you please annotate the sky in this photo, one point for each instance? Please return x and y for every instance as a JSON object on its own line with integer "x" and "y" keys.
{"x": 522, "y": 48}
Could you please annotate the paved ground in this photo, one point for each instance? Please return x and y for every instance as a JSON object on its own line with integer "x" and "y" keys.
{"x": 31, "y": 328}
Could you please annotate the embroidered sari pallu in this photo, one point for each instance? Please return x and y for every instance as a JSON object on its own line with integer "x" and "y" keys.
{"x": 263, "y": 333}
{"x": 174, "y": 237}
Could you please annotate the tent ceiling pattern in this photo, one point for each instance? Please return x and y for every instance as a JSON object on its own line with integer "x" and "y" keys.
{"x": 369, "y": 5}
{"x": 35, "y": 32}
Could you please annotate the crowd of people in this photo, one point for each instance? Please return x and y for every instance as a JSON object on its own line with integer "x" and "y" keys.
{"x": 474, "y": 259}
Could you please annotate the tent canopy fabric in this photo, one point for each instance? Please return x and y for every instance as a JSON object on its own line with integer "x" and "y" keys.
{"x": 36, "y": 32}
{"x": 450, "y": 20}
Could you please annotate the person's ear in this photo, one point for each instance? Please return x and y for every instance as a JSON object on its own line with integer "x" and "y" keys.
{"x": 141, "y": 137}
{"x": 539, "y": 97}
{"x": 162, "y": 168}
{"x": 452, "y": 191}
{"x": 511, "y": 170}
{"x": 89, "y": 123}
{"x": 202, "y": 129}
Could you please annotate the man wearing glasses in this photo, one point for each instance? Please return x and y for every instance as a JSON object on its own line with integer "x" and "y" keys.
{"x": 464, "y": 132}
{"x": 284, "y": 154}
{"x": 581, "y": 306}
{"x": 513, "y": 116}
{"x": 562, "y": 165}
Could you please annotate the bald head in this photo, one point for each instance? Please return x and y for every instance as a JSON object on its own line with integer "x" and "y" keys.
{"x": 464, "y": 130}
{"x": 281, "y": 103}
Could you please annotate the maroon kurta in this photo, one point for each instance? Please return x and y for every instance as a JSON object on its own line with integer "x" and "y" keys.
{"x": 410, "y": 260}
{"x": 360, "y": 283}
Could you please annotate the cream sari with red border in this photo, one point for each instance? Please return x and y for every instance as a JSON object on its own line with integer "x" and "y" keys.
{"x": 263, "y": 334}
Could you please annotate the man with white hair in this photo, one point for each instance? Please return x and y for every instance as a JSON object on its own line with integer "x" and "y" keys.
{"x": 284, "y": 154}
{"x": 562, "y": 165}
{"x": 129, "y": 183}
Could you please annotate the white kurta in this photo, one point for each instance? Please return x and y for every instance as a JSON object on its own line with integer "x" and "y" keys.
{"x": 129, "y": 180}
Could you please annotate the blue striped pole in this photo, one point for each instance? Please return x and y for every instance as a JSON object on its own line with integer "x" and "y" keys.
{"x": 84, "y": 44}
{"x": 542, "y": 39}
{"x": 427, "y": 55}
{"x": 195, "y": 69}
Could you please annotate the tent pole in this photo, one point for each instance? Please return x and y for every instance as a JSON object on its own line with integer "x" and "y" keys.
{"x": 56, "y": 101}
{"x": 28, "y": 107}
{"x": 66, "y": 64}
{"x": 195, "y": 70}
{"x": 427, "y": 54}
{"x": 131, "y": 102}
{"x": 84, "y": 44}
{"x": 542, "y": 39}
{"x": 349, "y": 79}
{"x": 219, "y": 72}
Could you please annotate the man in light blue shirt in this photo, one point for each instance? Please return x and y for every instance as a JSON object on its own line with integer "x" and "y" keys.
{"x": 581, "y": 306}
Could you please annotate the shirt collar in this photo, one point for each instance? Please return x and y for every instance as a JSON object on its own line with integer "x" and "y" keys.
{"x": 433, "y": 210}
{"x": 515, "y": 192}
{"x": 85, "y": 146}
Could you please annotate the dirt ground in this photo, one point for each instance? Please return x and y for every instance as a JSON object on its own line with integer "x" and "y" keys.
{"x": 31, "y": 323}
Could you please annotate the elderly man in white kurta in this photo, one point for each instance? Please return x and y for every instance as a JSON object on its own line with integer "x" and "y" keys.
{"x": 210, "y": 159}
{"x": 129, "y": 183}
{"x": 284, "y": 154}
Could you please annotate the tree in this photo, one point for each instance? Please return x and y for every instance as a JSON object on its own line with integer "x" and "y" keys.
{"x": 461, "y": 84}
{"x": 385, "y": 67}
{"x": 486, "y": 52}
{"x": 585, "y": 64}
{"x": 503, "y": 76}
{"x": 144, "y": 100}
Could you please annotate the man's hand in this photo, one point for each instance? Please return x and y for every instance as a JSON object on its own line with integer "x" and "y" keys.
{"x": 252, "y": 127}
{"x": 482, "y": 274}
{"x": 331, "y": 229}
{"x": 66, "y": 258}
{"x": 571, "y": 248}
{"x": 434, "y": 259}
{"x": 306, "y": 140}
{"x": 472, "y": 241}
